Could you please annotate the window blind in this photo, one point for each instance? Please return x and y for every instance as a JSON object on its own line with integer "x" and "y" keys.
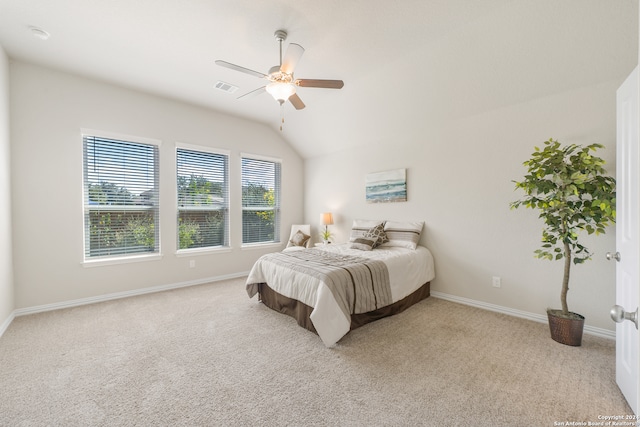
{"x": 203, "y": 199}
{"x": 120, "y": 197}
{"x": 260, "y": 201}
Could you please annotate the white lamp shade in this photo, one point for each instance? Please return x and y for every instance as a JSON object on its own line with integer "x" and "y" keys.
{"x": 281, "y": 91}
{"x": 326, "y": 218}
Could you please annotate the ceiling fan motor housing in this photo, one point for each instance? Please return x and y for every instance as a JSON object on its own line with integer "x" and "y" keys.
{"x": 280, "y": 35}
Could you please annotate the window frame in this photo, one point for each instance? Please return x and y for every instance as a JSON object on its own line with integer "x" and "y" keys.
{"x": 156, "y": 254}
{"x": 204, "y": 249}
{"x": 278, "y": 201}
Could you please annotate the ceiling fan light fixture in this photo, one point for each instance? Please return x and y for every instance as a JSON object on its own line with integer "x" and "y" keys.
{"x": 281, "y": 91}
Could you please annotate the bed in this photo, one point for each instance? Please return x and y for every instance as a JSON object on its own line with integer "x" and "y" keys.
{"x": 332, "y": 289}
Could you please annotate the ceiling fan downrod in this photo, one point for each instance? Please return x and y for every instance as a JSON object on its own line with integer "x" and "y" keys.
{"x": 280, "y": 35}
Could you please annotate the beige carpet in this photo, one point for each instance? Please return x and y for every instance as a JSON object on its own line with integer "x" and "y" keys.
{"x": 209, "y": 356}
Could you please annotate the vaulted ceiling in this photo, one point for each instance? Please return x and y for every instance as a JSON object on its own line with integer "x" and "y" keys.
{"x": 405, "y": 63}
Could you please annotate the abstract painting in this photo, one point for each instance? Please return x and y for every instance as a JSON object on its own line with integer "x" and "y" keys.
{"x": 386, "y": 187}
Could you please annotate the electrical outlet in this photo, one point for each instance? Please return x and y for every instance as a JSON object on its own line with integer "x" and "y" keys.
{"x": 496, "y": 282}
{"x": 192, "y": 263}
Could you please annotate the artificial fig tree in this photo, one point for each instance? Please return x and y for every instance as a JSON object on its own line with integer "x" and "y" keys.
{"x": 573, "y": 193}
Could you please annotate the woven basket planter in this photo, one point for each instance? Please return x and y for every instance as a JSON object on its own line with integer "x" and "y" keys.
{"x": 566, "y": 330}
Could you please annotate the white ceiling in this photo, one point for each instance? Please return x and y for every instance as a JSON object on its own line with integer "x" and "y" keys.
{"x": 405, "y": 63}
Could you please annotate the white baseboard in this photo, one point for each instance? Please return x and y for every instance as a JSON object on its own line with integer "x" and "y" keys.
{"x": 604, "y": 333}
{"x": 118, "y": 295}
{"x": 5, "y": 325}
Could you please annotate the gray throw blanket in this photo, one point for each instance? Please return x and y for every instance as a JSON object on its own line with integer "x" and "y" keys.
{"x": 358, "y": 285}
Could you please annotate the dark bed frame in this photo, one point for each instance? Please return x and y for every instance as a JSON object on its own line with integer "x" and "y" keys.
{"x": 301, "y": 311}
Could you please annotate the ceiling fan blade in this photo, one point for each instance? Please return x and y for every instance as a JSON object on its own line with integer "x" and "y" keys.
{"x": 253, "y": 93}
{"x": 326, "y": 84}
{"x": 296, "y": 101}
{"x": 239, "y": 68}
{"x": 291, "y": 58}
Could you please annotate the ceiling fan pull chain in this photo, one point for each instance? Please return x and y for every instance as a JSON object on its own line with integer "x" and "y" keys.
{"x": 281, "y": 114}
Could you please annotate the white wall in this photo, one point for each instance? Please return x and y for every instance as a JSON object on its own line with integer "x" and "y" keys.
{"x": 6, "y": 263}
{"x": 459, "y": 175}
{"x": 48, "y": 109}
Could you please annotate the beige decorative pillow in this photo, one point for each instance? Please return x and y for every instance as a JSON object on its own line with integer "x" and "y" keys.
{"x": 377, "y": 233}
{"x": 363, "y": 244}
{"x": 299, "y": 239}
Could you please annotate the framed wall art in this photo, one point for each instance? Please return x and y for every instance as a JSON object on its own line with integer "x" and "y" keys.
{"x": 386, "y": 187}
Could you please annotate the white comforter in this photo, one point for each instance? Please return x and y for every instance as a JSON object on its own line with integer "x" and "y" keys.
{"x": 408, "y": 270}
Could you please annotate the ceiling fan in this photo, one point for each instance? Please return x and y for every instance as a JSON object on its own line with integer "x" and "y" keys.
{"x": 282, "y": 85}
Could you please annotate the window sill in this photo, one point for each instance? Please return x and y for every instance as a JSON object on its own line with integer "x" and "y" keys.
{"x": 253, "y": 246}
{"x": 120, "y": 260}
{"x": 202, "y": 251}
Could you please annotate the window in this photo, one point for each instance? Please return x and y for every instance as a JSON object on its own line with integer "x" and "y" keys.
{"x": 120, "y": 197}
{"x": 203, "y": 202}
{"x": 260, "y": 200}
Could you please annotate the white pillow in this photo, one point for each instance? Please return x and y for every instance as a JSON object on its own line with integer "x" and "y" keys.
{"x": 403, "y": 234}
{"x": 361, "y": 226}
